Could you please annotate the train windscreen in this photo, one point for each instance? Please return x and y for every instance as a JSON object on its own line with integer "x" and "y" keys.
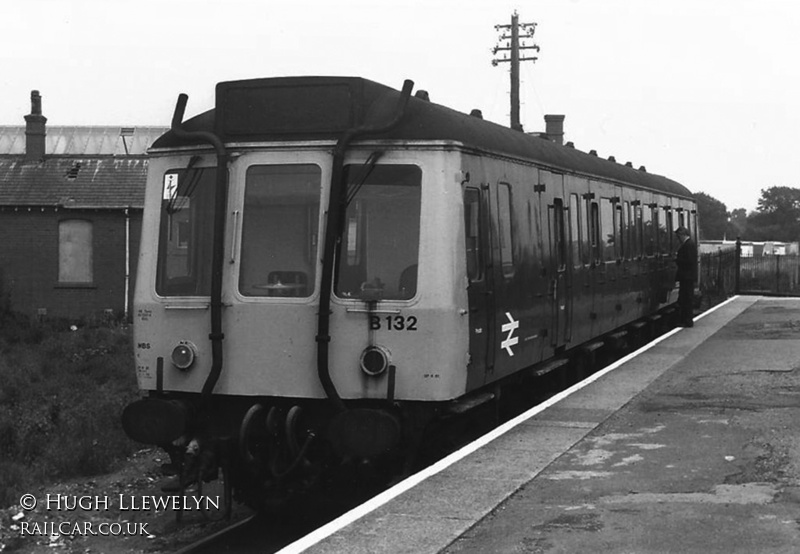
{"x": 186, "y": 232}
{"x": 379, "y": 248}
{"x": 280, "y": 230}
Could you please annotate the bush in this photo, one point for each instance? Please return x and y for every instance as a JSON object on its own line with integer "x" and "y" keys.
{"x": 61, "y": 396}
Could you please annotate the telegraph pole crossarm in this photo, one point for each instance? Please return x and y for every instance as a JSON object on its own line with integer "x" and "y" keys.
{"x": 514, "y": 48}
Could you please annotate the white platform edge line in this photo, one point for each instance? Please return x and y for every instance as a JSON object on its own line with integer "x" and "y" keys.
{"x": 376, "y": 502}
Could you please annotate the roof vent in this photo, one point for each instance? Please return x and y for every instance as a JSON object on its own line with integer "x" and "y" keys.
{"x": 593, "y": 152}
{"x": 642, "y": 168}
{"x": 126, "y": 132}
{"x": 72, "y": 174}
{"x": 476, "y": 113}
{"x": 612, "y": 159}
{"x": 570, "y": 144}
{"x": 628, "y": 164}
{"x": 422, "y": 95}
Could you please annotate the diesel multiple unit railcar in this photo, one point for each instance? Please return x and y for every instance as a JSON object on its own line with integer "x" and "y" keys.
{"x": 329, "y": 265}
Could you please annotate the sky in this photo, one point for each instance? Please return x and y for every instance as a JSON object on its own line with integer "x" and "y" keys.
{"x": 706, "y": 92}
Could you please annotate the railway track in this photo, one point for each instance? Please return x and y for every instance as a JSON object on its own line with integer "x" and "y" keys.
{"x": 217, "y": 540}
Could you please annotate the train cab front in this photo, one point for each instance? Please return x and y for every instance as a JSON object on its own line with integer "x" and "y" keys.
{"x": 392, "y": 301}
{"x": 380, "y": 298}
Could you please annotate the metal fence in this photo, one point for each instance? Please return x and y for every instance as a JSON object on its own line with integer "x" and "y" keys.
{"x": 717, "y": 277}
{"x": 774, "y": 274}
{"x": 726, "y": 272}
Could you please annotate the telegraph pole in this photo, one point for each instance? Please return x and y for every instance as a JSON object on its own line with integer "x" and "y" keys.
{"x": 514, "y": 47}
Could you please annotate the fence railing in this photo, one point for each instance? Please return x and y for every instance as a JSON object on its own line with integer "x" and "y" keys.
{"x": 726, "y": 272}
{"x": 774, "y": 274}
{"x": 717, "y": 276}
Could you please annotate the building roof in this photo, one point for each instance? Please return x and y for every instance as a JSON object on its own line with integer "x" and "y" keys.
{"x": 83, "y": 140}
{"x": 74, "y": 182}
{"x": 84, "y": 167}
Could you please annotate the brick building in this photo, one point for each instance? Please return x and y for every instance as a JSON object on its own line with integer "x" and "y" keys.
{"x": 71, "y": 203}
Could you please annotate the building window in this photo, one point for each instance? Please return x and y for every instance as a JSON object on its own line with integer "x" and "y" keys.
{"x": 75, "y": 252}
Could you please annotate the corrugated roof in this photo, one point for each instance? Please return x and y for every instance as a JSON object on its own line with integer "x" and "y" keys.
{"x": 75, "y": 182}
{"x": 83, "y": 140}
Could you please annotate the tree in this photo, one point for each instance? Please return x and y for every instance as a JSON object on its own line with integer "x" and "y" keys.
{"x": 737, "y": 224}
{"x": 712, "y": 217}
{"x": 783, "y": 200}
{"x": 777, "y": 216}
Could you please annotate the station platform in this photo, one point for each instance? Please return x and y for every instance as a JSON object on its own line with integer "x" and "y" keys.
{"x": 691, "y": 444}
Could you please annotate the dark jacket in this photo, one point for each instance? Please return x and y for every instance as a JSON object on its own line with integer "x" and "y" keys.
{"x": 686, "y": 260}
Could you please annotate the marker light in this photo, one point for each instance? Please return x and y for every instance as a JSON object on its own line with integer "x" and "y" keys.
{"x": 183, "y": 356}
{"x": 374, "y": 360}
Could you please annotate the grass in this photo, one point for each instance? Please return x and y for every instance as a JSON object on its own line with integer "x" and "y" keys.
{"x": 62, "y": 390}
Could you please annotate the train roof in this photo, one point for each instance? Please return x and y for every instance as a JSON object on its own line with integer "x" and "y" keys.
{"x": 322, "y": 108}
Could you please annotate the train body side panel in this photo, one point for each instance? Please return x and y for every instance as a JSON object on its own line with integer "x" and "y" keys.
{"x": 571, "y": 259}
{"x": 514, "y": 327}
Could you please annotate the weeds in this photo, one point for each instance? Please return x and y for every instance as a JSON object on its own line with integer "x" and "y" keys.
{"x": 61, "y": 395}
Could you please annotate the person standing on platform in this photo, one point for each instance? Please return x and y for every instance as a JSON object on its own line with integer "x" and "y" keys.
{"x": 686, "y": 275}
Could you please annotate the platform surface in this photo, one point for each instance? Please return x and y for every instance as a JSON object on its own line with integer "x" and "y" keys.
{"x": 690, "y": 446}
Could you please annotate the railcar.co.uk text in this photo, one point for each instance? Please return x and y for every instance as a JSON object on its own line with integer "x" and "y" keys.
{"x": 95, "y": 503}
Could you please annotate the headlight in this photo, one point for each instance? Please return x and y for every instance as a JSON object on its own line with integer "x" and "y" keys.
{"x": 374, "y": 360}
{"x": 183, "y": 356}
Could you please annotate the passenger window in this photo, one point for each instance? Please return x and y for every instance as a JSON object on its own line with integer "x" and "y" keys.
{"x": 506, "y": 234}
{"x": 472, "y": 233}
{"x": 637, "y": 231}
{"x": 656, "y": 230}
{"x": 594, "y": 232}
{"x": 628, "y": 231}
{"x": 687, "y": 222}
{"x": 559, "y": 239}
{"x": 649, "y": 231}
{"x": 665, "y": 240}
{"x": 575, "y": 229}
{"x": 609, "y": 229}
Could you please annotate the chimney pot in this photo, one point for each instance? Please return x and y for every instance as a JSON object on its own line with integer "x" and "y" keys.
{"x": 35, "y": 130}
{"x": 554, "y": 127}
{"x": 36, "y": 103}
